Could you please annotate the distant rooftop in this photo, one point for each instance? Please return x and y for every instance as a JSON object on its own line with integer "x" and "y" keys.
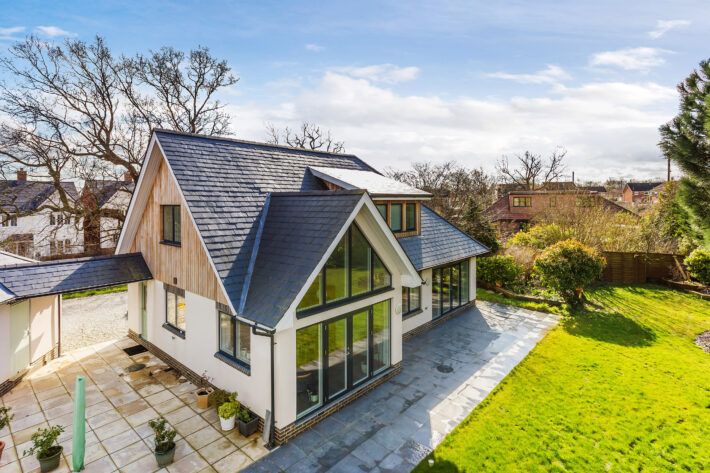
{"x": 376, "y": 184}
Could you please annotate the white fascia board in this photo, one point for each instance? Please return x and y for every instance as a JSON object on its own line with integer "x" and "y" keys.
{"x": 331, "y": 179}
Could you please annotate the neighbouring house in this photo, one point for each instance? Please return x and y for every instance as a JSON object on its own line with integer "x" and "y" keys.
{"x": 505, "y": 188}
{"x": 640, "y": 193}
{"x": 105, "y": 203}
{"x": 287, "y": 275}
{"x": 511, "y": 212}
{"x": 28, "y": 227}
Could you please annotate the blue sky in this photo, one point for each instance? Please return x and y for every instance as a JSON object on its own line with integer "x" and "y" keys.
{"x": 409, "y": 81}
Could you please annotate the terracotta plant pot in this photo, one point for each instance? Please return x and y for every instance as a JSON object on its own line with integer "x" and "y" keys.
{"x": 2, "y": 447}
{"x": 51, "y": 462}
{"x": 165, "y": 458}
{"x": 203, "y": 397}
{"x": 227, "y": 424}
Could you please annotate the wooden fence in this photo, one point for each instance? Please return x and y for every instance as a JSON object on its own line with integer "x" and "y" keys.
{"x": 632, "y": 268}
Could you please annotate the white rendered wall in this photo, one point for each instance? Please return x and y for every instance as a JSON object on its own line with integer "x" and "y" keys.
{"x": 5, "y": 352}
{"x": 44, "y": 329}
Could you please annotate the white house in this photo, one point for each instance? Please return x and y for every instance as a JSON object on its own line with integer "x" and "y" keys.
{"x": 289, "y": 276}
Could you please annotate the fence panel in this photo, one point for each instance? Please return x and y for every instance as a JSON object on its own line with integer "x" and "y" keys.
{"x": 631, "y": 268}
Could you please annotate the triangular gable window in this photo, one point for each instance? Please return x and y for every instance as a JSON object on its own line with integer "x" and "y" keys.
{"x": 353, "y": 270}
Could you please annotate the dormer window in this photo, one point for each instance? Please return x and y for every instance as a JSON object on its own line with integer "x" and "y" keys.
{"x": 402, "y": 217}
{"x": 522, "y": 201}
{"x": 171, "y": 225}
{"x": 411, "y": 217}
{"x": 396, "y": 217}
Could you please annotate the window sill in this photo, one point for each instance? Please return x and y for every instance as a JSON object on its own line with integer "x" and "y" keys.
{"x": 171, "y": 243}
{"x": 342, "y": 302}
{"x": 174, "y": 330}
{"x": 411, "y": 314}
{"x": 235, "y": 363}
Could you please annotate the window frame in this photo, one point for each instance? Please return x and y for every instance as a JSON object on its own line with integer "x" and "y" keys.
{"x": 175, "y": 211}
{"x": 236, "y": 325}
{"x": 526, "y": 200}
{"x": 177, "y": 293}
{"x": 439, "y": 310}
{"x": 411, "y": 311}
{"x": 400, "y": 205}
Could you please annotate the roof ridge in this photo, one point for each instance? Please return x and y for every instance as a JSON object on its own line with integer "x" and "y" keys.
{"x": 318, "y": 193}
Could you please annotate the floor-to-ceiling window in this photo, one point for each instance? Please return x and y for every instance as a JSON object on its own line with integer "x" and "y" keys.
{"x": 336, "y": 356}
{"x": 450, "y": 285}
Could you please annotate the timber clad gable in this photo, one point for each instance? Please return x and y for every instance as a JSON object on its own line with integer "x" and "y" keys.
{"x": 186, "y": 266}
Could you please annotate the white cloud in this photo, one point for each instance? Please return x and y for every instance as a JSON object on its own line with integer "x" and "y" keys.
{"x": 550, "y": 75}
{"x": 664, "y": 26}
{"x": 10, "y": 32}
{"x": 630, "y": 59}
{"x": 53, "y": 31}
{"x": 316, "y": 48}
{"x": 386, "y": 73}
{"x": 608, "y": 128}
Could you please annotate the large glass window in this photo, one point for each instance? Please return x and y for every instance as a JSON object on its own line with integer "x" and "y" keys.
{"x": 171, "y": 224}
{"x": 234, "y": 338}
{"x": 382, "y": 209}
{"x": 450, "y": 287}
{"x": 396, "y": 217}
{"x": 464, "y": 282}
{"x": 354, "y": 269}
{"x": 335, "y": 356}
{"x": 175, "y": 308}
{"x": 411, "y": 217}
{"x": 411, "y": 297}
{"x": 436, "y": 292}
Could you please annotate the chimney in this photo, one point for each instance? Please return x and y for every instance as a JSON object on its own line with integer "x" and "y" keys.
{"x": 21, "y": 175}
{"x": 572, "y": 177}
{"x": 127, "y": 177}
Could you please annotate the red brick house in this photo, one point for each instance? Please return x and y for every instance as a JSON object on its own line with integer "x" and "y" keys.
{"x": 642, "y": 192}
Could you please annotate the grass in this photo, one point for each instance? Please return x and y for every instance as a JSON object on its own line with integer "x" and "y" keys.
{"x": 95, "y": 292}
{"x": 490, "y": 296}
{"x": 618, "y": 386}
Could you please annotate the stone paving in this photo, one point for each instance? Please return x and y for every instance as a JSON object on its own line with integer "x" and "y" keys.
{"x": 119, "y": 406}
{"x": 447, "y": 372}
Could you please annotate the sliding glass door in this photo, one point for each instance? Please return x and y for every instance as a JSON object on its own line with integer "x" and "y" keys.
{"x": 336, "y": 356}
{"x": 449, "y": 288}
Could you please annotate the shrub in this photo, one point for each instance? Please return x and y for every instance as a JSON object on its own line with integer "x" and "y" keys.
{"x": 567, "y": 267}
{"x": 498, "y": 270}
{"x": 541, "y": 236}
{"x": 698, "y": 263}
{"x": 220, "y": 396}
{"x": 243, "y": 414}
{"x": 228, "y": 409}
{"x": 164, "y": 435}
{"x": 5, "y": 416}
{"x": 44, "y": 442}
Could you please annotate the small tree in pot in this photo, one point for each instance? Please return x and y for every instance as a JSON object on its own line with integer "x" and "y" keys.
{"x": 247, "y": 422}
{"x": 164, "y": 441}
{"x": 5, "y": 418}
{"x": 46, "y": 447}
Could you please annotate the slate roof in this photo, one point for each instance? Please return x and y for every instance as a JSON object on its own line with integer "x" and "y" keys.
{"x": 103, "y": 190}
{"x": 26, "y": 196}
{"x": 299, "y": 228}
{"x": 440, "y": 242}
{"x": 643, "y": 186}
{"x": 54, "y": 277}
{"x": 225, "y": 183}
{"x": 375, "y": 183}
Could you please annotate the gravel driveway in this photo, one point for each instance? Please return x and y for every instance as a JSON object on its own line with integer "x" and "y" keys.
{"x": 92, "y": 319}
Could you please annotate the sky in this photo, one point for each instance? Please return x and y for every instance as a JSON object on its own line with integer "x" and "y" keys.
{"x": 402, "y": 82}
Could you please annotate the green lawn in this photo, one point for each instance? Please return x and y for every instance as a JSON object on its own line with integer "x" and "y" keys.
{"x": 617, "y": 387}
{"x": 95, "y": 292}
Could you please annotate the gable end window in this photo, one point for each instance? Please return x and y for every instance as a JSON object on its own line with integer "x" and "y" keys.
{"x": 171, "y": 224}
{"x": 234, "y": 340}
{"x": 175, "y": 310}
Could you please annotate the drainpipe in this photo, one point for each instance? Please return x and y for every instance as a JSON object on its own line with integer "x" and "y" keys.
{"x": 264, "y": 332}
{"x": 59, "y": 326}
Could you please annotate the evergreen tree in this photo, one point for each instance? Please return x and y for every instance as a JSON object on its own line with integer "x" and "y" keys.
{"x": 478, "y": 226}
{"x": 686, "y": 141}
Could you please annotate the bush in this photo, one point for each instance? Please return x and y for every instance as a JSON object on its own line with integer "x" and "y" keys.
{"x": 498, "y": 270}
{"x": 44, "y": 442}
{"x": 567, "y": 267}
{"x": 228, "y": 409}
{"x": 220, "y": 396}
{"x": 5, "y": 416}
{"x": 541, "y": 236}
{"x": 698, "y": 263}
{"x": 164, "y": 435}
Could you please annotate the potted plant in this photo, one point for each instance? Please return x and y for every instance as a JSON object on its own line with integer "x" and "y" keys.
{"x": 227, "y": 414}
{"x": 5, "y": 418}
{"x": 164, "y": 441}
{"x": 46, "y": 447}
{"x": 248, "y": 423}
{"x": 203, "y": 393}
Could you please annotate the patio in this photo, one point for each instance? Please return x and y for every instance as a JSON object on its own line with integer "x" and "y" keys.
{"x": 447, "y": 371}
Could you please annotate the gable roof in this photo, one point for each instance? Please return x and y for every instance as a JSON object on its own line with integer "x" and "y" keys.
{"x": 440, "y": 242}
{"x": 103, "y": 190}
{"x": 26, "y": 196}
{"x": 643, "y": 186}
{"x": 21, "y": 281}
{"x": 375, "y": 183}
{"x": 299, "y": 227}
{"x": 225, "y": 183}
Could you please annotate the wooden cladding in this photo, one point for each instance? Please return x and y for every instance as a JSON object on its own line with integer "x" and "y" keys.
{"x": 187, "y": 264}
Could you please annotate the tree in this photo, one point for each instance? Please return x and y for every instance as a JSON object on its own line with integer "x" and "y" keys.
{"x": 686, "y": 141}
{"x": 670, "y": 222}
{"x": 475, "y": 223}
{"x": 308, "y": 136}
{"x": 530, "y": 171}
{"x": 79, "y": 113}
{"x": 698, "y": 263}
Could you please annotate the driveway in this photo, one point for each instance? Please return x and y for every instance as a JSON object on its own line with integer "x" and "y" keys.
{"x": 93, "y": 319}
{"x": 446, "y": 372}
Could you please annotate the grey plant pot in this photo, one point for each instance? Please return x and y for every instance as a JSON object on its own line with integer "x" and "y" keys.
{"x": 165, "y": 458}
{"x": 248, "y": 428}
{"x": 51, "y": 462}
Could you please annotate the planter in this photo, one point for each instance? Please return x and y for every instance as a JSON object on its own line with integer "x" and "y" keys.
{"x": 248, "y": 428}
{"x": 203, "y": 397}
{"x": 165, "y": 458}
{"x": 227, "y": 424}
{"x": 51, "y": 461}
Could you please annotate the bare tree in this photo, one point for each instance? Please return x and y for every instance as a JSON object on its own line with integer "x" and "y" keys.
{"x": 530, "y": 171}
{"x": 76, "y": 112}
{"x": 308, "y": 136}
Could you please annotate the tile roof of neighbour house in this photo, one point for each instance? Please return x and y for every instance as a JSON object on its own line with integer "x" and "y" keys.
{"x": 25, "y": 196}
{"x": 53, "y": 277}
{"x": 439, "y": 243}
{"x": 643, "y": 186}
{"x": 600, "y": 189}
{"x": 103, "y": 190}
{"x": 375, "y": 183}
{"x": 298, "y": 229}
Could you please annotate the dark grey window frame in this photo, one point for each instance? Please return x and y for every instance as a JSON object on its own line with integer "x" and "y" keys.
{"x": 177, "y": 292}
{"x": 412, "y": 311}
{"x": 461, "y": 302}
{"x": 174, "y": 240}
{"x": 231, "y": 358}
